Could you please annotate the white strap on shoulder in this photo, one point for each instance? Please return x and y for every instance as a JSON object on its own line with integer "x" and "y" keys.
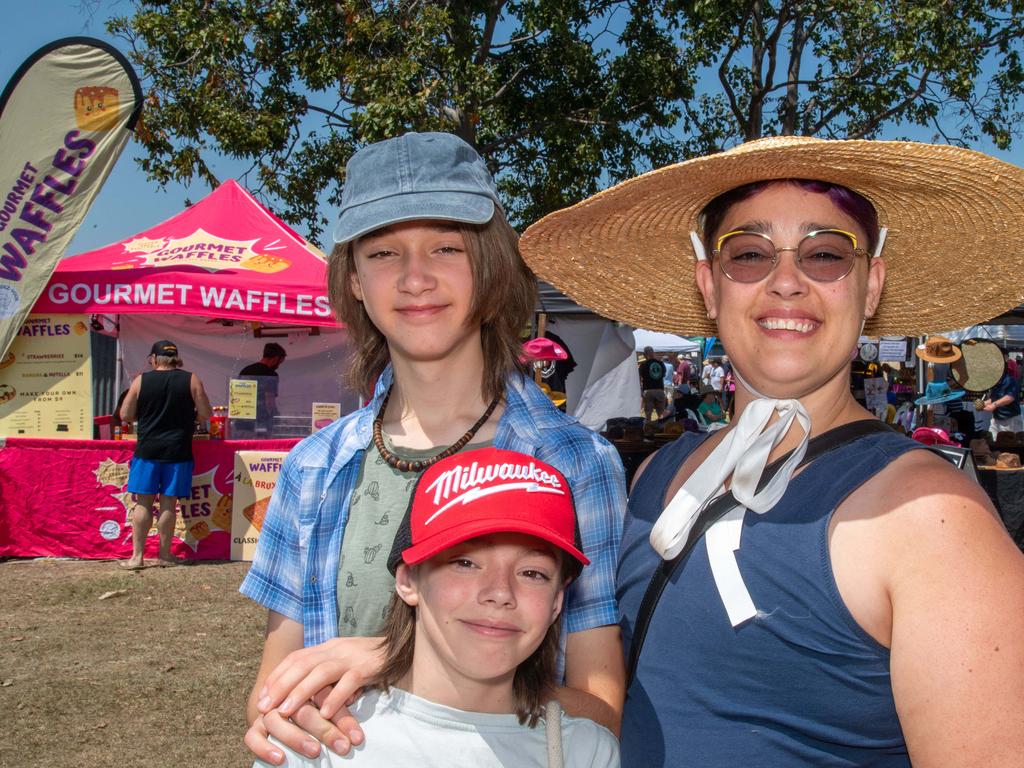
{"x": 553, "y": 725}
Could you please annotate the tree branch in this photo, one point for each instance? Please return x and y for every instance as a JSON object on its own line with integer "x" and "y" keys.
{"x": 490, "y": 148}
{"x": 757, "y": 52}
{"x": 487, "y": 36}
{"x": 342, "y": 120}
{"x": 827, "y": 118}
{"x": 771, "y": 45}
{"x": 796, "y": 51}
{"x": 723, "y": 68}
{"x": 518, "y": 40}
{"x": 875, "y": 121}
{"x": 508, "y": 84}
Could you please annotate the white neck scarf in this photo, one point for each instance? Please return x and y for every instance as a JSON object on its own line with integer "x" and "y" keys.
{"x": 743, "y": 453}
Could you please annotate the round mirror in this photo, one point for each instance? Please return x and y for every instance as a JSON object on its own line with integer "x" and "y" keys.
{"x": 981, "y": 366}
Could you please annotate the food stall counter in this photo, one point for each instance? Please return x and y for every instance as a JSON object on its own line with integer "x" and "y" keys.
{"x": 68, "y": 498}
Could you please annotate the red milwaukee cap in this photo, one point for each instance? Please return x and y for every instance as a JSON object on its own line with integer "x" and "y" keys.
{"x": 486, "y": 491}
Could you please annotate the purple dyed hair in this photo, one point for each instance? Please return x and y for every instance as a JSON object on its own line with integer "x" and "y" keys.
{"x": 856, "y": 206}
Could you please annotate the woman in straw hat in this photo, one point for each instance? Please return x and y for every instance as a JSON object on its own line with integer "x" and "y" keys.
{"x": 868, "y": 609}
{"x": 427, "y": 277}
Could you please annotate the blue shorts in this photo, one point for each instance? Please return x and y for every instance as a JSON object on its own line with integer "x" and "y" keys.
{"x": 167, "y": 478}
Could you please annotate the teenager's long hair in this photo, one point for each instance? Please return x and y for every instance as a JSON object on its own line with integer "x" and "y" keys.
{"x": 532, "y": 685}
{"x": 504, "y": 296}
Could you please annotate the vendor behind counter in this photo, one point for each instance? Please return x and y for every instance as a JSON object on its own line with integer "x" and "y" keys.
{"x": 264, "y": 373}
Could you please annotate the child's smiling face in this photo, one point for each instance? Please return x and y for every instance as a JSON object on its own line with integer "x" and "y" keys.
{"x": 483, "y": 607}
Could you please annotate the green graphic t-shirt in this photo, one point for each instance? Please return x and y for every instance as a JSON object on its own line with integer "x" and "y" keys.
{"x": 379, "y": 501}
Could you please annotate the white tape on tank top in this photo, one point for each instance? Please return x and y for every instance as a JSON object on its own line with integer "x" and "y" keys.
{"x": 723, "y": 541}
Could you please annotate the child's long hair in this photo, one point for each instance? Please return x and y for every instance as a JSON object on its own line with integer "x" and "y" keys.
{"x": 532, "y": 685}
{"x": 504, "y": 296}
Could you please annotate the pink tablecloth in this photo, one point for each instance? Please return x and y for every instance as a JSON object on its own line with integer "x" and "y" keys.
{"x": 67, "y": 498}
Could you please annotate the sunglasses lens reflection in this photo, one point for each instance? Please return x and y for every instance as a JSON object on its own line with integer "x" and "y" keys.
{"x": 826, "y": 256}
{"x": 748, "y": 257}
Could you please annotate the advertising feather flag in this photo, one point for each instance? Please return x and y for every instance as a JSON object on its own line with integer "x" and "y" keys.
{"x": 65, "y": 117}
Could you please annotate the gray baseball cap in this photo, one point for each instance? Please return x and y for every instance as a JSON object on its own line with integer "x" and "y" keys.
{"x": 415, "y": 176}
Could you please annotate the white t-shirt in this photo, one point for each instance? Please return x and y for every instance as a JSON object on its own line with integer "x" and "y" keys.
{"x": 705, "y": 374}
{"x": 406, "y": 730}
{"x": 717, "y": 375}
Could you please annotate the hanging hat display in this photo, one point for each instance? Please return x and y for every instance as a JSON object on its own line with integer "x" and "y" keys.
{"x": 939, "y": 392}
{"x": 932, "y": 436}
{"x": 556, "y": 397}
{"x": 981, "y": 367}
{"x": 544, "y": 349}
{"x": 938, "y": 349}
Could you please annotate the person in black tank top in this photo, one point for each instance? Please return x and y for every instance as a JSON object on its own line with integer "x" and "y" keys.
{"x": 166, "y": 401}
{"x": 869, "y": 609}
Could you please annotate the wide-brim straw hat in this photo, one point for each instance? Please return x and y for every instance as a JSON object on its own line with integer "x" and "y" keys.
{"x": 982, "y": 367}
{"x": 954, "y": 251}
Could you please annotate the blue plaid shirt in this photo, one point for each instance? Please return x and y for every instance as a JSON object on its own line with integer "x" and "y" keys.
{"x": 295, "y": 568}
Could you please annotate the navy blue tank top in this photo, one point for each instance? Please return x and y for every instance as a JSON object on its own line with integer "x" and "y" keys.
{"x": 801, "y": 684}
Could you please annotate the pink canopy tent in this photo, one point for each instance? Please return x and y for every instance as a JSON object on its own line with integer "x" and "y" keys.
{"x": 226, "y": 256}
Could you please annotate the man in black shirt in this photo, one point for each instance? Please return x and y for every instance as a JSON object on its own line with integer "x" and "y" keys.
{"x": 264, "y": 372}
{"x": 652, "y": 382}
{"x": 166, "y": 401}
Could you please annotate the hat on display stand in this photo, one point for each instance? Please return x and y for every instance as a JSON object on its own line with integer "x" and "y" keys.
{"x": 938, "y": 349}
{"x": 939, "y": 392}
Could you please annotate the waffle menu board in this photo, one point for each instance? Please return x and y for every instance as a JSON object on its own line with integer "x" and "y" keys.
{"x": 46, "y": 379}
{"x": 242, "y": 399}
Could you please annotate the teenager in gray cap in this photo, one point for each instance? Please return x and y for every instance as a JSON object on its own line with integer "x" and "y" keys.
{"x": 428, "y": 280}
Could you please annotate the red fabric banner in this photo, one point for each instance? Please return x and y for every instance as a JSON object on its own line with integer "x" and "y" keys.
{"x": 67, "y": 498}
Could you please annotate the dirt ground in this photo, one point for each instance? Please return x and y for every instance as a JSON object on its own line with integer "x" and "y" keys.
{"x": 156, "y": 675}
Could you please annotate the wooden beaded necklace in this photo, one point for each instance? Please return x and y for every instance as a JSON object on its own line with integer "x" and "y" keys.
{"x": 404, "y": 465}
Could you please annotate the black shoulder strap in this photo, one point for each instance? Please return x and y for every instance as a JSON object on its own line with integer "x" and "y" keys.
{"x": 816, "y": 447}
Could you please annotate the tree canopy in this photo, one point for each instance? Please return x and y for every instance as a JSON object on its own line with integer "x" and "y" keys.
{"x": 561, "y": 97}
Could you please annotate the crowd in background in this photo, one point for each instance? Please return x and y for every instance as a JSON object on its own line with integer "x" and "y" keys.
{"x": 677, "y": 388}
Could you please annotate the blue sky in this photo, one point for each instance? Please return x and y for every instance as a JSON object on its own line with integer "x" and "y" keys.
{"x": 128, "y": 202}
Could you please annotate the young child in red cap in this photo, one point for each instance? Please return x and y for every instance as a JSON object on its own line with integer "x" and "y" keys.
{"x": 481, "y": 562}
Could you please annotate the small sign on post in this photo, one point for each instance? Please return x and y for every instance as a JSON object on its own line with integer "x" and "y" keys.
{"x": 324, "y": 414}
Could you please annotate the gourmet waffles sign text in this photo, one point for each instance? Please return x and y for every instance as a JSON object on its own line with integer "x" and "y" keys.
{"x": 206, "y": 251}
